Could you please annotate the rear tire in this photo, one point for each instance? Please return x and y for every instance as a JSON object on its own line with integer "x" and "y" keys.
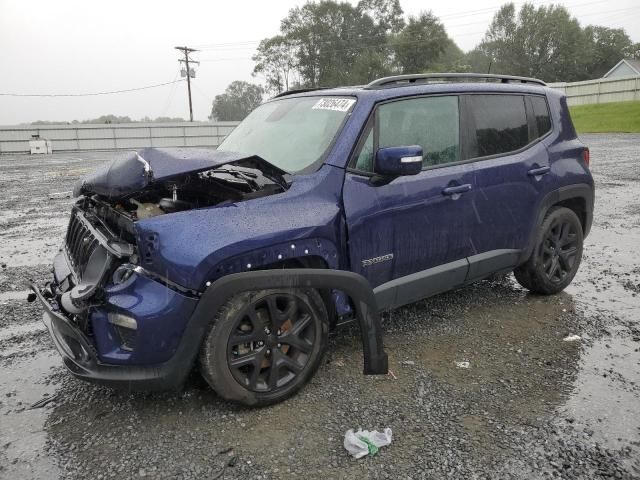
{"x": 263, "y": 346}
{"x": 556, "y": 255}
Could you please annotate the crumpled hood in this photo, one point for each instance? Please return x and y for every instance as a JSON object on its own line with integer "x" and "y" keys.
{"x": 133, "y": 171}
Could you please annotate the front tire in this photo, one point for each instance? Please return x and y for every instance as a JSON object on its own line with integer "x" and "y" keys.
{"x": 263, "y": 346}
{"x": 556, "y": 256}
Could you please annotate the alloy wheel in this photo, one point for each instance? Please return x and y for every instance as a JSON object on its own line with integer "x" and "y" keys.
{"x": 271, "y": 342}
{"x": 558, "y": 250}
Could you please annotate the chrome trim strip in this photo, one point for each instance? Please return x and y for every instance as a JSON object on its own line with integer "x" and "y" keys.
{"x": 415, "y": 159}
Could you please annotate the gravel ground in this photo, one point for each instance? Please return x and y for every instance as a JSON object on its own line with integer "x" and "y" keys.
{"x": 529, "y": 406}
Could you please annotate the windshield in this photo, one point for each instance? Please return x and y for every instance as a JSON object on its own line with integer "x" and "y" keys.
{"x": 291, "y": 133}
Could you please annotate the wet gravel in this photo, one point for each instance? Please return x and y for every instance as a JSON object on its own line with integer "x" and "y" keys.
{"x": 530, "y": 405}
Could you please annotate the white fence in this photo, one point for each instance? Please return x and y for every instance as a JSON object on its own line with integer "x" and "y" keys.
{"x": 601, "y": 90}
{"x": 85, "y": 137}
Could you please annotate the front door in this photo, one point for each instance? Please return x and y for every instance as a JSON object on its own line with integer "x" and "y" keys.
{"x": 410, "y": 236}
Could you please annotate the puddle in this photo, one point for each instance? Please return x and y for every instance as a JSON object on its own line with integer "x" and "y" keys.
{"x": 22, "y": 436}
{"x": 606, "y": 290}
{"x": 520, "y": 371}
{"x": 605, "y": 399}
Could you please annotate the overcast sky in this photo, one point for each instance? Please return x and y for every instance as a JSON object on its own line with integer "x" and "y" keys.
{"x": 78, "y": 46}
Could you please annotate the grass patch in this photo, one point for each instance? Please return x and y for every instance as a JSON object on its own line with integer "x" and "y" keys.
{"x": 607, "y": 117}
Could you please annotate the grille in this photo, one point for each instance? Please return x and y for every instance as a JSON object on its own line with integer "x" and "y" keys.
{"x": 80, "y": 243}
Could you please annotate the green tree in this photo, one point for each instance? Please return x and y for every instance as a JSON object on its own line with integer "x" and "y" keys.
{"x": 326, "y": 43}
{"x": 544, "y": 42}
{"x": 452, "y": 59}
{"x": 421, "y": 44}
{"x": 477, "y": 61}
{"x": 276, "y": 61}
{"x": 237, "y": 101}
{"x": 387, "y": 14}
{"x": 109, "y": 119}
{"x": 169, "y": 119}
{"x": 604, "y": 48}
{"x": 332, "y": 40}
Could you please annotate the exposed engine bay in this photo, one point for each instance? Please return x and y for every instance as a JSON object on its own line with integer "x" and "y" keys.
{"x": 226, "y": 184}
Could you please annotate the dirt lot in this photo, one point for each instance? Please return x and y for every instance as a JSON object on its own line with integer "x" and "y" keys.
{"x": 529, "y": 406}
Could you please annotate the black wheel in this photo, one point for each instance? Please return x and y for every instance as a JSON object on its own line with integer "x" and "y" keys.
{"x": 263, "y": 346}
{"x": 556, "y": 256}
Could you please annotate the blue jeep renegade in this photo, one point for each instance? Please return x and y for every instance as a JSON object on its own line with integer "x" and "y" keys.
{"x": 322, "y": 206}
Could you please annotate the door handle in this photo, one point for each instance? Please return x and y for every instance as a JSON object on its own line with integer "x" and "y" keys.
{"x": 534, "y": 172}
{"x": 457, "y": 190}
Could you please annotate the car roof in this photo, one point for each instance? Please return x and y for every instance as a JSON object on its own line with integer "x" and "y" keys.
{"x": 408, "y": 85}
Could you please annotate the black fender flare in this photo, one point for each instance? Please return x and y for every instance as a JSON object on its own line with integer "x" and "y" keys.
{"x": 173, "y": 373}
{"x": 355, "y": 286}
{"x": 578, "y": 190}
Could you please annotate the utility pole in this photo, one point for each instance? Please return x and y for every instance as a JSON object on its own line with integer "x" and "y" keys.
{"x": 186, "y": 51}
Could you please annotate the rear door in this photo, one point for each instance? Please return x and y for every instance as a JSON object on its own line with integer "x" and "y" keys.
{"x": 510, "y": 167}
{"x": 410, "y": 236}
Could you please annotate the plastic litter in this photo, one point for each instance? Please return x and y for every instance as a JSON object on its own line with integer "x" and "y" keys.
{"x": 572, "y": 338}
{"x": 463, "y": 364}
{"x": 364, "y": 442}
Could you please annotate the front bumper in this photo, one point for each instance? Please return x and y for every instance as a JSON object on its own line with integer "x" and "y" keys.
{"x": 81, "y": 359}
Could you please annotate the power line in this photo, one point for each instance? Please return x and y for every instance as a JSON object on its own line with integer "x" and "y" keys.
{"x": 609, "y": 11}
{"x": 87, "y": 94}
{"x": 387, "y": 44}
{"x": 170, "y": 97}
{"x": 249, "y": 44}
{"x": 352, "y": 48}
{"x": 205, "y": 96}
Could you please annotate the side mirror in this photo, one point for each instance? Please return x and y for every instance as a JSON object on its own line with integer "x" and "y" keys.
{"x": 398, "y": 161}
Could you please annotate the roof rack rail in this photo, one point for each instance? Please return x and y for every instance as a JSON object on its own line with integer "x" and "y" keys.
{"x": 404, "y": 80}
{"x": 298, "y": 90}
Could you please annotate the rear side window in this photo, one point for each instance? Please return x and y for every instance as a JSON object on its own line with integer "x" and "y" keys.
{"x": 431, "y": 122}
{"x": 500, "y": 123}
{"x": 541, "y": 115}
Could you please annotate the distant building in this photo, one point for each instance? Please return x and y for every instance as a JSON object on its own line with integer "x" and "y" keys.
{"x": 626, "y": 67}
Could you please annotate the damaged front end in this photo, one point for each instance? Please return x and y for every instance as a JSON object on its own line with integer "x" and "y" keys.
{"x": 101, "y": 302}
{"x": 158, "y": 181}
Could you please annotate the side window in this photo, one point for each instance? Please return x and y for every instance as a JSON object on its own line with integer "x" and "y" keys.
{"x": 431, "y": 122}
{"x": 541, "y": 114}
{"x": 500, "y": 122}
{"x": 365, "y": 157}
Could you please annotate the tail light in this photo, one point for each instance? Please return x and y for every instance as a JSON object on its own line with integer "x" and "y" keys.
{"x": 585, "y": 156}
